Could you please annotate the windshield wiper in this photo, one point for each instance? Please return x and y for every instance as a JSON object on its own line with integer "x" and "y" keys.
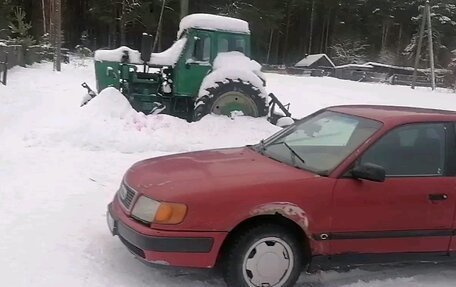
{"x": 294, "y": 152}
{"x": 263, "y": 148}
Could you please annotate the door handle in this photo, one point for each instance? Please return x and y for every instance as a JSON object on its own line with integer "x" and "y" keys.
{"x": 438, "y": 197}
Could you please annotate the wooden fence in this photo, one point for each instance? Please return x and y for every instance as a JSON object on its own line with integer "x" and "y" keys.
{"x": 446, "y": 80}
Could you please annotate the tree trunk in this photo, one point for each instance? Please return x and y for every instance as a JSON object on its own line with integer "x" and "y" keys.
{"x": 287, "y": 32}
{"x": 277, "y": 49}
{"x": 386, "y": 28}
{"x": 52, "y": 22}
{"x": 58, "y": 35}
{"x": 399, "y": 41}
{"x": 328, "y": 27}
{"x": 159, "y": 28}
{"x": 43, "y": 10}
{"x": 431, "y": 44}
{"x": 271, "y": 38}
{"x": 312, "y": 16}
{"x": 418, "y": 50}
{"x": 123, "y": 24}
{"x": 323, "y": 33}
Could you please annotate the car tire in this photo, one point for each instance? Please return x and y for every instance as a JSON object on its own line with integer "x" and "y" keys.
{"x": 266, "y": 254}
{"x": 235, "y": 92}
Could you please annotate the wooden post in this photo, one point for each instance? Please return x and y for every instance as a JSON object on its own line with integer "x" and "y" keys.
{"x": 5, "y": 69}
{"x": 431, "y": 44}
{"x": 58, "y": 35}
{"x": 418, "y": 52}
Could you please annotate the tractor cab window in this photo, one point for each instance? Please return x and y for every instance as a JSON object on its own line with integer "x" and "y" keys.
{"x": 223, "y": 45}
{"x": 239, "y": 45}
{"x": 231, "y": 44}
{"x": 202, "y": 49}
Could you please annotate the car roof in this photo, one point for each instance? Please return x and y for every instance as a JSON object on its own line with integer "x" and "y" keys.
{"x": 396, "y": 115}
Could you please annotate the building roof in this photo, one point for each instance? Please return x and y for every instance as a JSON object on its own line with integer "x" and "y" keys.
{"x": 213, "y": 22}
{"x": 355, "y": 66}
{"x": 396, "y": 114}
{"x": 309, "y": 60}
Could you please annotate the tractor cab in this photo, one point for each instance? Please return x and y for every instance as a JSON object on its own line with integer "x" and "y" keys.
{"x": 203, "y": 46}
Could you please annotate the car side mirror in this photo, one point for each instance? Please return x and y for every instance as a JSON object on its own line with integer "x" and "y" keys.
{"x": 369, "y": 171}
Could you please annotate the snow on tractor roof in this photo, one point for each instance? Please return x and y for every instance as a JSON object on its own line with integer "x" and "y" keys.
{"x": 213, "y": 22}
{"x": 165, "y": 58}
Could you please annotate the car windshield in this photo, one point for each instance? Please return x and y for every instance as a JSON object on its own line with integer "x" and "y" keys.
{"x": 321, "y": 142}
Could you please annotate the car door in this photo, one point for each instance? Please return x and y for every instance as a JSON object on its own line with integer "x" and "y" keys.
{"x": 413, "y": 210}
{"x": 453, "y": 239}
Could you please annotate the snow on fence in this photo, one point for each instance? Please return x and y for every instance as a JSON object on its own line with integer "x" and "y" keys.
{"x": 370, "y": 74}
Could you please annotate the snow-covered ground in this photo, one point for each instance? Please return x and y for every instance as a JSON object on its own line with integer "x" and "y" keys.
{"x": 60, "y": 165}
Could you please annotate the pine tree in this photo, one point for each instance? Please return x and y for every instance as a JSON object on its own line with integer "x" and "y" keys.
{"x": 20, "y": 28}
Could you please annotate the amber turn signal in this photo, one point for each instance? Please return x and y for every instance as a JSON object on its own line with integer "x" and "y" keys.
{"x": 170, "y": 213}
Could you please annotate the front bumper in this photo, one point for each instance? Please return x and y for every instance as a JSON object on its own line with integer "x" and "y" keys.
{"x": 174, "y": 248}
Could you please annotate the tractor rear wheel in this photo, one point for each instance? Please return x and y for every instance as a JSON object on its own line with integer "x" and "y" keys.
{"x": 231, "y": 96}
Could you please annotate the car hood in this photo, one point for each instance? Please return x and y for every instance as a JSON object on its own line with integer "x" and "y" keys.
{"x": 177, "y": 176}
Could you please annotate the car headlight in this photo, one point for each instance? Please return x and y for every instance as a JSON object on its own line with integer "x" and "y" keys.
{"x": 152, "y": 211}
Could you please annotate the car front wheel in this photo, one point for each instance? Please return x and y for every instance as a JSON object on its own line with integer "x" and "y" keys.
{"x": 267, "y": 255}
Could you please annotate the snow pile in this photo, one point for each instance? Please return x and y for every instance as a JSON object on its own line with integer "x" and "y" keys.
{"x": 165, "y": 58}
{"x": 234, "y": 65}
{"x": 213, "y": 22}
{"x": 110, "y": 103}
{"x": 109, "y": 123}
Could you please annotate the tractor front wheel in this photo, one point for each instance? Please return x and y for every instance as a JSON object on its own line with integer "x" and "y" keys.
{"x": 231, "y": 96}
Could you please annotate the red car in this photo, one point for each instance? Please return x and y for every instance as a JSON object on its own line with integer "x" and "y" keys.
{"x": 347, "y": 185}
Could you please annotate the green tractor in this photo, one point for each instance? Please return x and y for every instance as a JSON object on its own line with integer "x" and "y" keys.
{"x": 208, "y": 70}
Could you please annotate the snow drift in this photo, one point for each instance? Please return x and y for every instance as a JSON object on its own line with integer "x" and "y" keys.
{"x": 109, "y": 122}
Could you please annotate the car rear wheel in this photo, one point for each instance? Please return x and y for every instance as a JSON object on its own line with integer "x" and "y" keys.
{"x": 267, "y": 255}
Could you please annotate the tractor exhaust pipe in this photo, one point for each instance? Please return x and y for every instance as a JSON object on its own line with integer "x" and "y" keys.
{"x": 146, "y": 48}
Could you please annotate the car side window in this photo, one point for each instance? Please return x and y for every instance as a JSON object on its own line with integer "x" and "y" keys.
{"x": 202, "y": 49}
{"x": 411, "y": 150}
